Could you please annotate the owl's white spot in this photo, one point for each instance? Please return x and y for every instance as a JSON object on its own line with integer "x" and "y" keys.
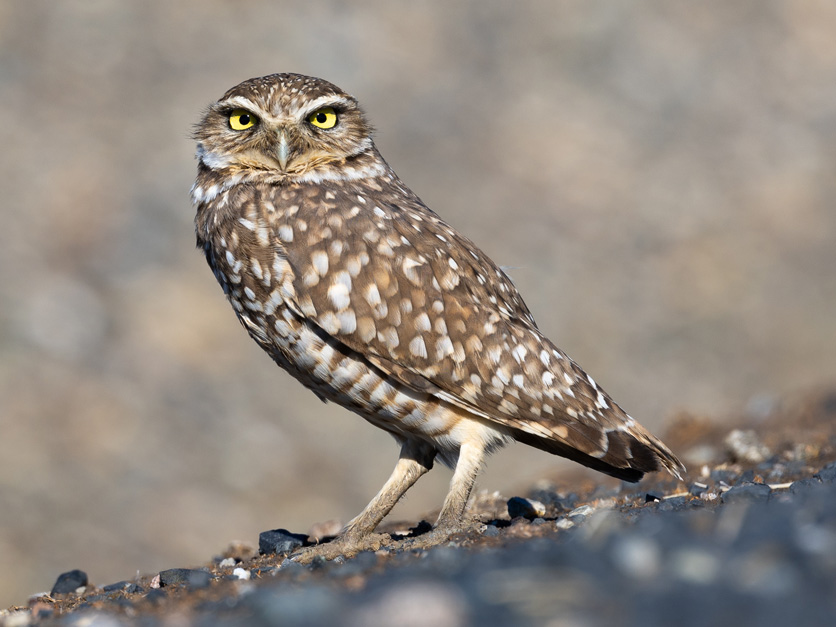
{"x": 329, "y": 322}
{"x": 280, "y": 266}
{"x": 437, "y": 306}
{"x": 406, "y": 305}
{"x": 476, "y": 380}
{"x": 591, "y": 382}
{"x": 417, "y": 347}
{"x": 519, "y": 353}
{"x": 389, "y": 337}
{"x": 249, "y": 293}
{"x": 310, "y": 279}
{"x": 568, "y": 378}
{"x": 329, "y": 195}
{"x": 274, "y": 301}
{"x": 409, "y": 266}
{"x": 361, "y": 199}
{"x": 352, "y": 264}
{"x": 230, "y": 259}
{"x": 443, "y": 347}
{"x": 348, "y": 321}
{"x": 247, "y": 224}
{"x": 338, "y": 294}
{"x": 495, "y": 354}
{"x": 379, "y": 212}
{"x": 385, "y": 249}
{"x": 440, "y": 326}
{"x": 319, "y": 259}
{"x": 519, "y": 380}
{"x": 372, "y": 295}
{"x": 548, "y": 378}
{"x": 441, "y": 237}
{"x": 503, "y": 375}
{"x": 286, "y": 233}
{"x": 452, "y": 263}
{"x": 601, "y": 401}
{"x": 557, "y": 354}
{"x": 336, "y": 247}
{"x": 544, "y": 357}
{"x": 422, "y": 322}
{"x": 508, "y": 407}
{"x": 282, "y": 328}
{"x": 255, "y": 266}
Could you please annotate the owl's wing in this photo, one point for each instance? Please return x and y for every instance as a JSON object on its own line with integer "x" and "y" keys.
{"x": 424, "y": 304}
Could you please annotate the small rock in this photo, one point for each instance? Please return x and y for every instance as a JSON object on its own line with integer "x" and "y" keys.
{"x": 520, "y": 507}
{"x": 185, "y": 576}
{"x": 69, "y": 582}
{"x": 744, "y": 446}
{"x": 122, "y": 586}
{"x": 491, "y": 531}
{"x": 827, "y": 474}
{"x": 241, "y": 573}
{"x": 651, "y": 498}
{"x": 747, "y": 492}
{"x": 583, "y": 510}
{"x": 697, "y": 489}
{"x": 227, "y": 562}
{"x": 279, "y": 541}
{"x": 804, "y": 485}
{"x": 564, "y": 523}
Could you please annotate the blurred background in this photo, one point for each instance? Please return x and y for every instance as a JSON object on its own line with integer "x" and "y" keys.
{"x": 658, "y": 177}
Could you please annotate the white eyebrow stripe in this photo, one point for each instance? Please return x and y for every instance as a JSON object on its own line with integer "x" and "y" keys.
{"x": 331, "y": 100}
{"x": 242, "y": 103}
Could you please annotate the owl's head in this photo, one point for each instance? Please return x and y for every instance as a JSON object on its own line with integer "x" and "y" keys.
{"x": 289, "y": 127}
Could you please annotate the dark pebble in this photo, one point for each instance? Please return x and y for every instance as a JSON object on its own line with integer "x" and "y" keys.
{"x": 491, "y": 531}
{"x": 747, "y": 492}
{"x": 698, "y": 489}
{"x": 122, "y": 586}
{"x": 726, "y": 476}
{"x": 827, "y": 474}
{"x": 69, "y": 582}
{"x": 280, "y": 541}
{"x": 804, "y": 485}
{"x": 520, "y": 507}
{"x": 185, "y": 576}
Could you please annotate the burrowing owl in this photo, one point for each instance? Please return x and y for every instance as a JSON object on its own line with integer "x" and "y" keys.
{"x": 367, "y": 297}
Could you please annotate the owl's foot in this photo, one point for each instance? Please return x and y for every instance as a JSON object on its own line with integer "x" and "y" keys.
{"x": 439, "y": 535}
{"x": 345, "y": 545}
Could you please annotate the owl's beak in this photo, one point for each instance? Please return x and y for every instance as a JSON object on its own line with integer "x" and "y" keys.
{"x": 284, "y": 150}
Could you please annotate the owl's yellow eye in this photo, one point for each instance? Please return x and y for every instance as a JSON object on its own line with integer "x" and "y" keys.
{"x": 240, "y": 119}
{"x": 323, "y": 118}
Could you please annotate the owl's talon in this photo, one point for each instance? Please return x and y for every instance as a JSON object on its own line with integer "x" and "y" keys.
{"x": 347, "y": 546}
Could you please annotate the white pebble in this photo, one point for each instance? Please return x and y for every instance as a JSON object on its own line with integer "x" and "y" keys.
{"x": 242, "y": 574}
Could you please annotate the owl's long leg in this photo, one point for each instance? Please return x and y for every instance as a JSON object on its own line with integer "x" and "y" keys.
{"x": 415, "y": 460}
{"x": 471, "y": 456}
{"x": 451, "y": 519}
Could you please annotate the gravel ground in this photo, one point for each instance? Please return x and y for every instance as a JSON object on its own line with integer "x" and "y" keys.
{"x": 749, "y": 538}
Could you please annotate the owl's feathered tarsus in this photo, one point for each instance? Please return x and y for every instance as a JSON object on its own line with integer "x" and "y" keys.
{"x": 362, "y": 293}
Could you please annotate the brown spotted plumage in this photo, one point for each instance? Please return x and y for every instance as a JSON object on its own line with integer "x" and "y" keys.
{"x": 372, "y": 301}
